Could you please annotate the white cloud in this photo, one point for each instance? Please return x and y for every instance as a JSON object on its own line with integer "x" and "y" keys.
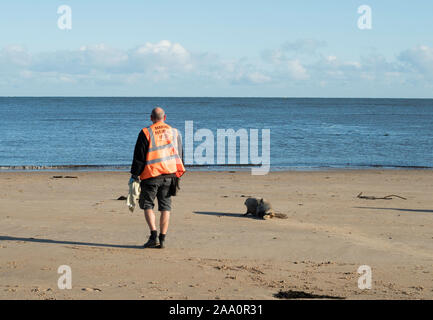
{"x": 294, "y": 50}
{"x": 164, "y": 48}
{"x": 15, "y": 55}
{"x": 251, "y": 78}
{"x": 150, "y": 62}
{"x": 162, "y": 60}
{"x": 296, "y": 70}
{"x": 294, "y": 64}
{"x": 419, "y": 59}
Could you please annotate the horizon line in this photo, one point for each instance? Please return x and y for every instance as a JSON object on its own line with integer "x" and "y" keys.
{"x": 222, "y": 97}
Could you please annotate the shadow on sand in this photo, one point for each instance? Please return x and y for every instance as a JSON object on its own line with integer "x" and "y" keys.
{"x": 303, "y": 295}
{"x": 225, "y": 214}
{"x": 90, "y": 244}
{"x": 398, "y": 209}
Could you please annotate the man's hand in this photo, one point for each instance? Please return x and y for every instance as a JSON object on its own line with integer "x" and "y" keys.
{"x": 133, "y": 179}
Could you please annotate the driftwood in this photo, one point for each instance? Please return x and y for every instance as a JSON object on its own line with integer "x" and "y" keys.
{"x": 390, "y": 197}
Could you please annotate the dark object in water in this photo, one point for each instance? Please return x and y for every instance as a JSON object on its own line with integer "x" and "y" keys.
{"x": 122, "y": 198}
{"x": 390, "y": 197}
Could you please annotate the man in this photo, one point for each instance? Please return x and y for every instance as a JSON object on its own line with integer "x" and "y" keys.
{"x": 158, "y": 165}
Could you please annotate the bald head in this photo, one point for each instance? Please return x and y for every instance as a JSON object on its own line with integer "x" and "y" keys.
{"x": 158, "y": 114}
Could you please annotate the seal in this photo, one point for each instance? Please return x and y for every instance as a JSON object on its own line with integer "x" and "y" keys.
{"x": 262, "y": 209}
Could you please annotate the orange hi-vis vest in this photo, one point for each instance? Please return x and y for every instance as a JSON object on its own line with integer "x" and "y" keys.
{"x": 162, "y": 155}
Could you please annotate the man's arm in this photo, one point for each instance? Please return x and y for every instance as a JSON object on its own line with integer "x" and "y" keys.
{"x": 140, "y": 152}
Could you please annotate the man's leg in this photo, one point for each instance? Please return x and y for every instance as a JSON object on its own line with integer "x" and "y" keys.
{"x": 150, "y": 219}
{"x": 147, "y": 197}
{"x": 164, "y": 206}
{"x": 164, "y": 221}
{"x": 163, "y": 225}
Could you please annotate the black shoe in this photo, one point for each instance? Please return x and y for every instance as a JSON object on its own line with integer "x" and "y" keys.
{"x": 161, "y": 243}
{"x": 151, "y": 243}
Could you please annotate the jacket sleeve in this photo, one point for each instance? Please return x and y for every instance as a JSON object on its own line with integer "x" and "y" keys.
{"x": 140, "y": 152}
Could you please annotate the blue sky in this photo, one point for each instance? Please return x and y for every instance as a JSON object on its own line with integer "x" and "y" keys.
{"x": 217, "y": 48}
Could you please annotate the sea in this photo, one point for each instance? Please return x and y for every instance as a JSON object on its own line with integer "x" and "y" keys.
{"x": 99, "y": 133}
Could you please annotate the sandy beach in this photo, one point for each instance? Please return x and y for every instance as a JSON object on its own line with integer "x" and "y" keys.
{"x": 213, "y": 252}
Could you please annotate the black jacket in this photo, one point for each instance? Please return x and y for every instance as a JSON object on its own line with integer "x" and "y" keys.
{"x": 140, "y": 153}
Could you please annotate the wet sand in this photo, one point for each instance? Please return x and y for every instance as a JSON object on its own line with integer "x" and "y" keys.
{"x": 213, "y": 252}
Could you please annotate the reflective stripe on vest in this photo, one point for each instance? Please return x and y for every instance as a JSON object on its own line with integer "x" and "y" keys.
{"x": 167, "y": 146}
{"x": 175, "y": 156}
{"x": 162, "y": 159}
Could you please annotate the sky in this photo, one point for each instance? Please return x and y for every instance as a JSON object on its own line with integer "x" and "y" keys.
{"x": 274, "y": 48}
